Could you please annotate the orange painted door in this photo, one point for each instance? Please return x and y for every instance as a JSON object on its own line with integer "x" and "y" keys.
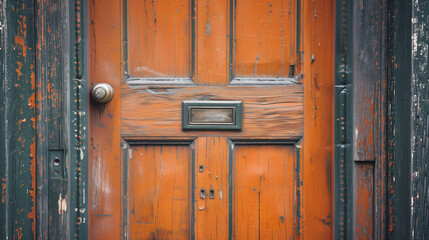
{"x": 273, "y": 179}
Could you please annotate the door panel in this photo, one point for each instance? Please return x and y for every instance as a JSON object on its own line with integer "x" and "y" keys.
{"x": 264, "y": 192}
{"x": 265, "y": 38}
{"x": 259, "y": 182}
{"x": 159, "y": 192}
{"x": 159, "y": 38}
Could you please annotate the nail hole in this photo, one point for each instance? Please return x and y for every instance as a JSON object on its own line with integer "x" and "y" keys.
{"x": 57, "y": 173}
{"x": 56, "y": 162}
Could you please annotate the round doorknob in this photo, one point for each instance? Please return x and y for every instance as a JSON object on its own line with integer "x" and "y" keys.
{"x": 102, "y": 92}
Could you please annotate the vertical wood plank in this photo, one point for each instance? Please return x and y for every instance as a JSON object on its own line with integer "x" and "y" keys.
{"x": 368, "y": 76}
{"x": 52, "y": 41}
{"x": 399, "y": 119}
{"x": 17, "y": 111}
{"x": 318, "y": 141}
{"x": 369, "y": 104}
{"x": 420, "y": 120}
{"x": 364, "y": 205}
{"x": 212, "y": 215}
{"x": 212, "y": 21}
{"x": 105, "y": 167}
{"x": 159, "y": 38}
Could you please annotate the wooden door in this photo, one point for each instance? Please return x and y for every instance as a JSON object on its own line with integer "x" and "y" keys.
{"x": 273, "y": 179}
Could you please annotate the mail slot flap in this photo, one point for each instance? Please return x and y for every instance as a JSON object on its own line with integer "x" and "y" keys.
{"x": 212, "y": 115}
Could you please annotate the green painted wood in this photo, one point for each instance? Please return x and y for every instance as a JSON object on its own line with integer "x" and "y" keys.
{"x": 399, "y": 119}
{"x": 53, "y": 206}
{"x": 343, "y": 120}
{"x": 420, "y": 120}
{"x": 17, "y": 105}
{"x": 77, "y": 114}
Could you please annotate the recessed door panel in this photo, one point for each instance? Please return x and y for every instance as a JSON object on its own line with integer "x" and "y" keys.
{"x": 265, "y": 33}
{"x": 159, "y": 38}
{"x": 264, "y": 191}
{"x": 159, "y": 192}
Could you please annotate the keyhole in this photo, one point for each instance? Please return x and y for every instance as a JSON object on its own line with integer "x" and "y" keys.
{"x": 56, "y": 162}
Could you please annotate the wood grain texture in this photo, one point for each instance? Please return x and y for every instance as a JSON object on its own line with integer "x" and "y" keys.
{"x": 273, "y": 111}
{"x": 399, "y": 119}
{"x": 104, "y": 164}
{"x": 364, "y": 205}
{"x": 53, "y": 219}
{"x": 369, "y": 99}
{"x": 211, "y": 44}
{"x": 17, "y": 111}
{"x": 369, "y": 76}
{"x": 420, "y": 120}
{"x": 211, "y": 216}
{"x": 264, "y": 192}
{"x": 159, "y": 38}
{"x": 159, "y": 192}
{"x": 265, "y": 38}
{"x": 318, "y": 142}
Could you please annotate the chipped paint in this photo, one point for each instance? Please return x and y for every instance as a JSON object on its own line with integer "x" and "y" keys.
{"x": 62, "y": 205}
{"x": 420, "y": 119}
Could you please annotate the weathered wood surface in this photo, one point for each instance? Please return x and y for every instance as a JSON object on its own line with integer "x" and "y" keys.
{"x": 212, "y": 219}
{"x": 159, "y": 38}
{"x": 53, "y": 202}
{"x": 364, "y": 205}
{"x": 420, "y": 121}
{"x": 105, "y": 182}
{"x": 17, "y": 113}
{"x": 159, "y": 192}
{"x": 367, "y": 74}
{"x": 265, "y": 38}
{"x": 151, "y": 113}
{"x": 317, "y": 166}
{"x": 264, "y": 196}
{"x": 399, "y": 120}
{"x": 211, "y": 63}
{"x": 273, "y": 111}
{"x": 369, "y": 104}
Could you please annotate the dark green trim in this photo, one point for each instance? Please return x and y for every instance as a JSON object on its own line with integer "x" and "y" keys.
{"x": 420, "y": 120}
{"x": 126, "y": 158}
{"x": 18, "y": 128}
{"x": 231, "y": 178}
{"x": 298, "y": 174}
{"x": 343, "y": 207}
{"x": 78, "y": 115}
{"x": 231, "y": 40}
{"x": 298, "y": 32}
{"x": 125, "y": 37}
{"x": 193, "y": 32}
{"x": 399, "y": 119}
{"x": 193, "y": 188}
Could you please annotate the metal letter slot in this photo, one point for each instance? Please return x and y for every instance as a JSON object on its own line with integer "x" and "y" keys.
{"x": 212, "y": 115}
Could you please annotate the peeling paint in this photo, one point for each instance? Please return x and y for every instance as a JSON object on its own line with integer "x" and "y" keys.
{"x": 62, "y": 205}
